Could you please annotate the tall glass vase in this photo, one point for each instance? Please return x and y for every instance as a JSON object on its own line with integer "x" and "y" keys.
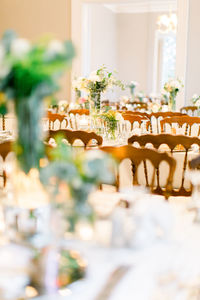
{"x": 132, "y": 90}
{"x": 30, "y": 148}
{"x": 172, "y": 102}
{"x": 95, "y": 101}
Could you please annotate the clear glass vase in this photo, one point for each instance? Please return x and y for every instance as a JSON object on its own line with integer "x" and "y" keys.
{"x": 172, "y": 103}
{"x": 95, "y": 102}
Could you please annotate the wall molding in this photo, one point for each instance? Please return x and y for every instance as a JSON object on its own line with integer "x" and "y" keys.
{"x": 143, "y": 7}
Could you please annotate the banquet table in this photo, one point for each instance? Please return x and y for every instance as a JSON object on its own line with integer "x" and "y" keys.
{"x": 160, "y": 269}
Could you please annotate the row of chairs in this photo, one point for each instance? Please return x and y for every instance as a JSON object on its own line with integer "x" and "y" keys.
{"x": 173, "y": 143}
{"x": 137, "y": 156}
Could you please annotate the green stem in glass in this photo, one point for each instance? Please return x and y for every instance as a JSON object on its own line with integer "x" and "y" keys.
{"x": 29, "y": 146}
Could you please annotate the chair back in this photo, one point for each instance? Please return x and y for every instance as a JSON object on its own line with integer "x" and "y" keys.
{"x": 189, "y": 110}
{"x": 155, "y": 118}
{"x": 71, "y": 136}
{"x": 179, "y": 146}
{"x": 136, "y": 113}
{"x": 79, "y": 112}
{"x": 180, "y": 121}
{"x": 136, "y": 118}
{"x": 138, "y": 156}
{"x": 53, "y": 118}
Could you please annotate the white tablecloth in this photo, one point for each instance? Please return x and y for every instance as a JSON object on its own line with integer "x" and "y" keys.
{"x": 162, "y": 270}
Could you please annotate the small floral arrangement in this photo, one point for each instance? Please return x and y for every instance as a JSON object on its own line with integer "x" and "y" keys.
{"x": 111, "y": 119}
{"x": 132, "y": 85}
{"x": 172, "y": 87}
{"x": 98, "y": 82}
{"x": 84, "y": 103}
{"x": 140, "y": 96}
{"x": 154, "y": 107}
{"x": 195, "y": 100}
{"x": 72, "y": 176}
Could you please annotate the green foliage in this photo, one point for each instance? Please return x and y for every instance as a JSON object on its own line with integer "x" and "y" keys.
{"x": 28, "y": 74}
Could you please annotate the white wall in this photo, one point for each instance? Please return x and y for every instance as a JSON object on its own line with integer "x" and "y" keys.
{"x": 132, "y": 47}
{"x": 103, "y": 37}
{"x": 102, "y": 41}
{"x": 193, "y": 51}
{"x": 34, "y": 19}
{"x": 136, "y": 46}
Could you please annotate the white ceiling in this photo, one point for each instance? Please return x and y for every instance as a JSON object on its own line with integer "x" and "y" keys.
{"x": 141, "y": 6}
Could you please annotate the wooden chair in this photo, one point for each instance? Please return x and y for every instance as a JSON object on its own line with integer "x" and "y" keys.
{"x": 159, "y": 116}
{"x": 172, "y": 141}
{"x": 79, "y": 112}
{"x": 189, "y": 110}
{"x": 136, "y": 118}
{"x": 72, "y": 136}
{"x": 5, "y": 149}
{"x": 180, "y": 121}
{"x": 56, "y": 117}
{"x": 136, "y": 113}
{"x": 138, "y": 156}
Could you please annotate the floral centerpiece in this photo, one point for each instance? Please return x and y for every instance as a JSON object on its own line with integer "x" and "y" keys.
{"x": 132, "y": 85}
{"x": 97, "y": 83}
{"x": 111, "y": 120}
{"x": 140, "y": 96}
{"x": 154, "y": 106}
{"x": 173, "y": 87}
{"x": 28, "y": 74}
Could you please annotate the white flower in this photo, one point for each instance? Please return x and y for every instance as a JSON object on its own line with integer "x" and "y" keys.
{"x": 2, "y": 53}
{"x": 55, "y": 47}
{"x": 119, "y": 117}
{"x": 94, "y": 77}
{"x": 4, "y": 70}
{"x": 135, "y": 83}
{"x": 195, "y": 96}
{"x": 20, "y": 47}
{"x": 197, "y": 103}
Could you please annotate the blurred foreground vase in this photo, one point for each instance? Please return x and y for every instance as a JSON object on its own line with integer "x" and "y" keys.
{"x": 27, "y": 210}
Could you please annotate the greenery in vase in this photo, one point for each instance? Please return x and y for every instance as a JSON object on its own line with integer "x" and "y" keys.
{"x": 172, "y": 87}
{"x": 28, "y": 74}
{"x": 97, "y": 83}
{"x": 132, "y": 85}
{"x": 73, "y": 177}
{"x": 111, "y": 119}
